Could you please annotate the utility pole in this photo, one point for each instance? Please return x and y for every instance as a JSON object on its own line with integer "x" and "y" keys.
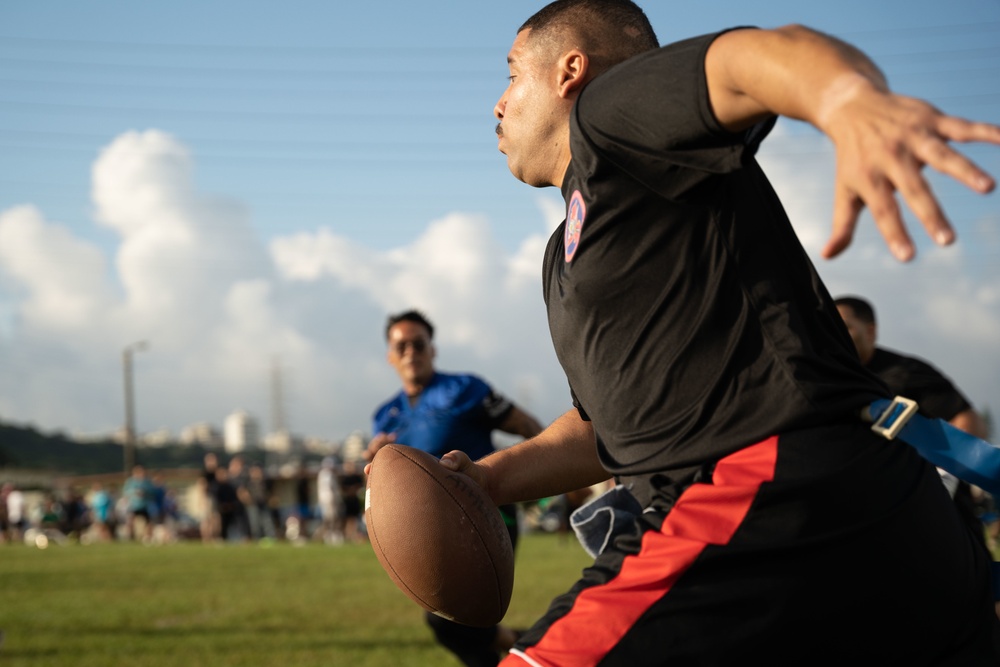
{"x": 279, "y": 427}
{"x": 129, "y": 445}
{"x": 278, "y": 424}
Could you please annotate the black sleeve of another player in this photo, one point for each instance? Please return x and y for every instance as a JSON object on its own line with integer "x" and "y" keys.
{"x": 937, "y": 395}
{"x": 496, "y": 406}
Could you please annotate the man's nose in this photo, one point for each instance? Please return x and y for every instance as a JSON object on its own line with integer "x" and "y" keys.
{"x": 501, "y": 105}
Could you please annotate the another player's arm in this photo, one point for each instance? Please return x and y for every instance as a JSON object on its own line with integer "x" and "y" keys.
{"x": 970, "y": 422}
{"x": 518, "y": 422}
{"x": 883, "y": 140}
{"x": 560, "y": 459}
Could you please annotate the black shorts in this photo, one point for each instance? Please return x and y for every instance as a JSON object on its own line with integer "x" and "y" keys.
{"x": 823, "y": 546}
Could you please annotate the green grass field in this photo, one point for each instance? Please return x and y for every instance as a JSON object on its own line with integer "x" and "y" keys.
{"x": 189, "y": 604}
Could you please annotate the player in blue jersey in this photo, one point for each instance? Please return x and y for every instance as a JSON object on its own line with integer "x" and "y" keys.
{"x": 437, "y": 413}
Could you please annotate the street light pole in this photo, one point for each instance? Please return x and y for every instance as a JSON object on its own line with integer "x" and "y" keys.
{"x": 130, "y": 404}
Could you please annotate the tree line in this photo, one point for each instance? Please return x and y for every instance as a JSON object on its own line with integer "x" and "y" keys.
{"x": 26, "y": 447}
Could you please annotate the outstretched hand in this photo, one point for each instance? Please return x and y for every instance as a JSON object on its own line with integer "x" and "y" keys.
{"x": 883, "y": 141}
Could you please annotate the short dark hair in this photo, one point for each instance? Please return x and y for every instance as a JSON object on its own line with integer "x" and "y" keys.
{"x": 609, "y": 31}
{"x": 409, "y": 316}
{"x": 861, "y": 308}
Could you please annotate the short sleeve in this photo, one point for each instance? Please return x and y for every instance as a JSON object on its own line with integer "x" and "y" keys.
{"x": 652, "y": 117}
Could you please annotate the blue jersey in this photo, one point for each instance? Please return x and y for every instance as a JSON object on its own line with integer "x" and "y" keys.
{"x": 452, "y": 412}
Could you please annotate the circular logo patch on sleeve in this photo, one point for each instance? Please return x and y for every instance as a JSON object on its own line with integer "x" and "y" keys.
{"x": 575, "y": 214}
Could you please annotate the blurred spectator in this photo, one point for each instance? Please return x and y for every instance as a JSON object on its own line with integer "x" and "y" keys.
{"x": 258, "y": 512}
{"x": 4, "y": 522}
{"x": 303, "y": 500}
{"x": 101, "y": 512}
{"x": 138, "y": 494}
{"x": 239, "y": 478}
{"x": 227, "y": 503}
{"x": 273, "y": 505}
{"x": 16, "y": 517}
{"x": 75, "y": 514}
{"x": 330, "y": 500}
{"x": 158, "y": 494}
{"x": 352, "y": 486}
{"x": 168, "y": 516}
{"x": 210, "y": 521}
{"x": 50, "y": 517}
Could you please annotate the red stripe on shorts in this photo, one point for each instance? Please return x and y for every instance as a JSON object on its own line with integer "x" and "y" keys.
{"x": 704, "y": 514}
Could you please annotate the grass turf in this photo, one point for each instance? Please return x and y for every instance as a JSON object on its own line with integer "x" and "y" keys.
{"x": 189, "y": 604}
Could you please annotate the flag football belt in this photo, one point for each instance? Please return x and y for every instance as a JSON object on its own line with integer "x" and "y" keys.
{"x": 962, "y": 454}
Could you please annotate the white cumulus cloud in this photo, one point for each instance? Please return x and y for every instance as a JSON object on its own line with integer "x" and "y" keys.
{"x": 219, "y": 305}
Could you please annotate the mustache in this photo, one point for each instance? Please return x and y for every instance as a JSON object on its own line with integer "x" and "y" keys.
{"x": 499, "y": 130}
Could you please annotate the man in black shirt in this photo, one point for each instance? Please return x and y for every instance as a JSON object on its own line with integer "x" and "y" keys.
{"x": 918, "y": 380}
{"x": 709, "y": 369}
{"x": 905, "y": 375}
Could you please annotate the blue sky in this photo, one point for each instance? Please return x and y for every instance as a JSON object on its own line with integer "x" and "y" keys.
{"x": 245, "y": 182}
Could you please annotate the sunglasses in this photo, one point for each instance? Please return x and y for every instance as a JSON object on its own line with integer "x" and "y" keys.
{"x": 419, "y": 346}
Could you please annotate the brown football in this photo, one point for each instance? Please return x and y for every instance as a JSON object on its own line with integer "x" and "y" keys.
{"x": 439, "y": 537}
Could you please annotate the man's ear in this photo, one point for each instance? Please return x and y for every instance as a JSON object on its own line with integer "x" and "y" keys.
{"x": 574, "y": 71}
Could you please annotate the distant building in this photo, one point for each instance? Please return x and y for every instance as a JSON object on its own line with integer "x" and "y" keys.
{"x": 158, "y": 438}
{"x": 353, "y": 446}
{"x": 283, "y": 442}
{"x": 203, "y": 434}
{"x": 321, "y": 446}
{"x": 241, "y": 432}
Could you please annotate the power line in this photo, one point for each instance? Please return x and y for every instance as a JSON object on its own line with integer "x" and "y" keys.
{"x": 955, "y": 29}
{"x": 237, "y": 49}
{"x": 16, "y": 135}
{"x": 425, "y": 113}
{"x": 346, "y": 70}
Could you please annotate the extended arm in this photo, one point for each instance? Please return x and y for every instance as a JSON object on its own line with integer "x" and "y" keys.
{"x": 560, "y": 459}
{"x": 883, "y": 140}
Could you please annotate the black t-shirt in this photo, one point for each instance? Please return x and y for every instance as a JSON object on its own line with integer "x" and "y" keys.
{"x": 916, "y": 379}
{"x": 683, "y": 309}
